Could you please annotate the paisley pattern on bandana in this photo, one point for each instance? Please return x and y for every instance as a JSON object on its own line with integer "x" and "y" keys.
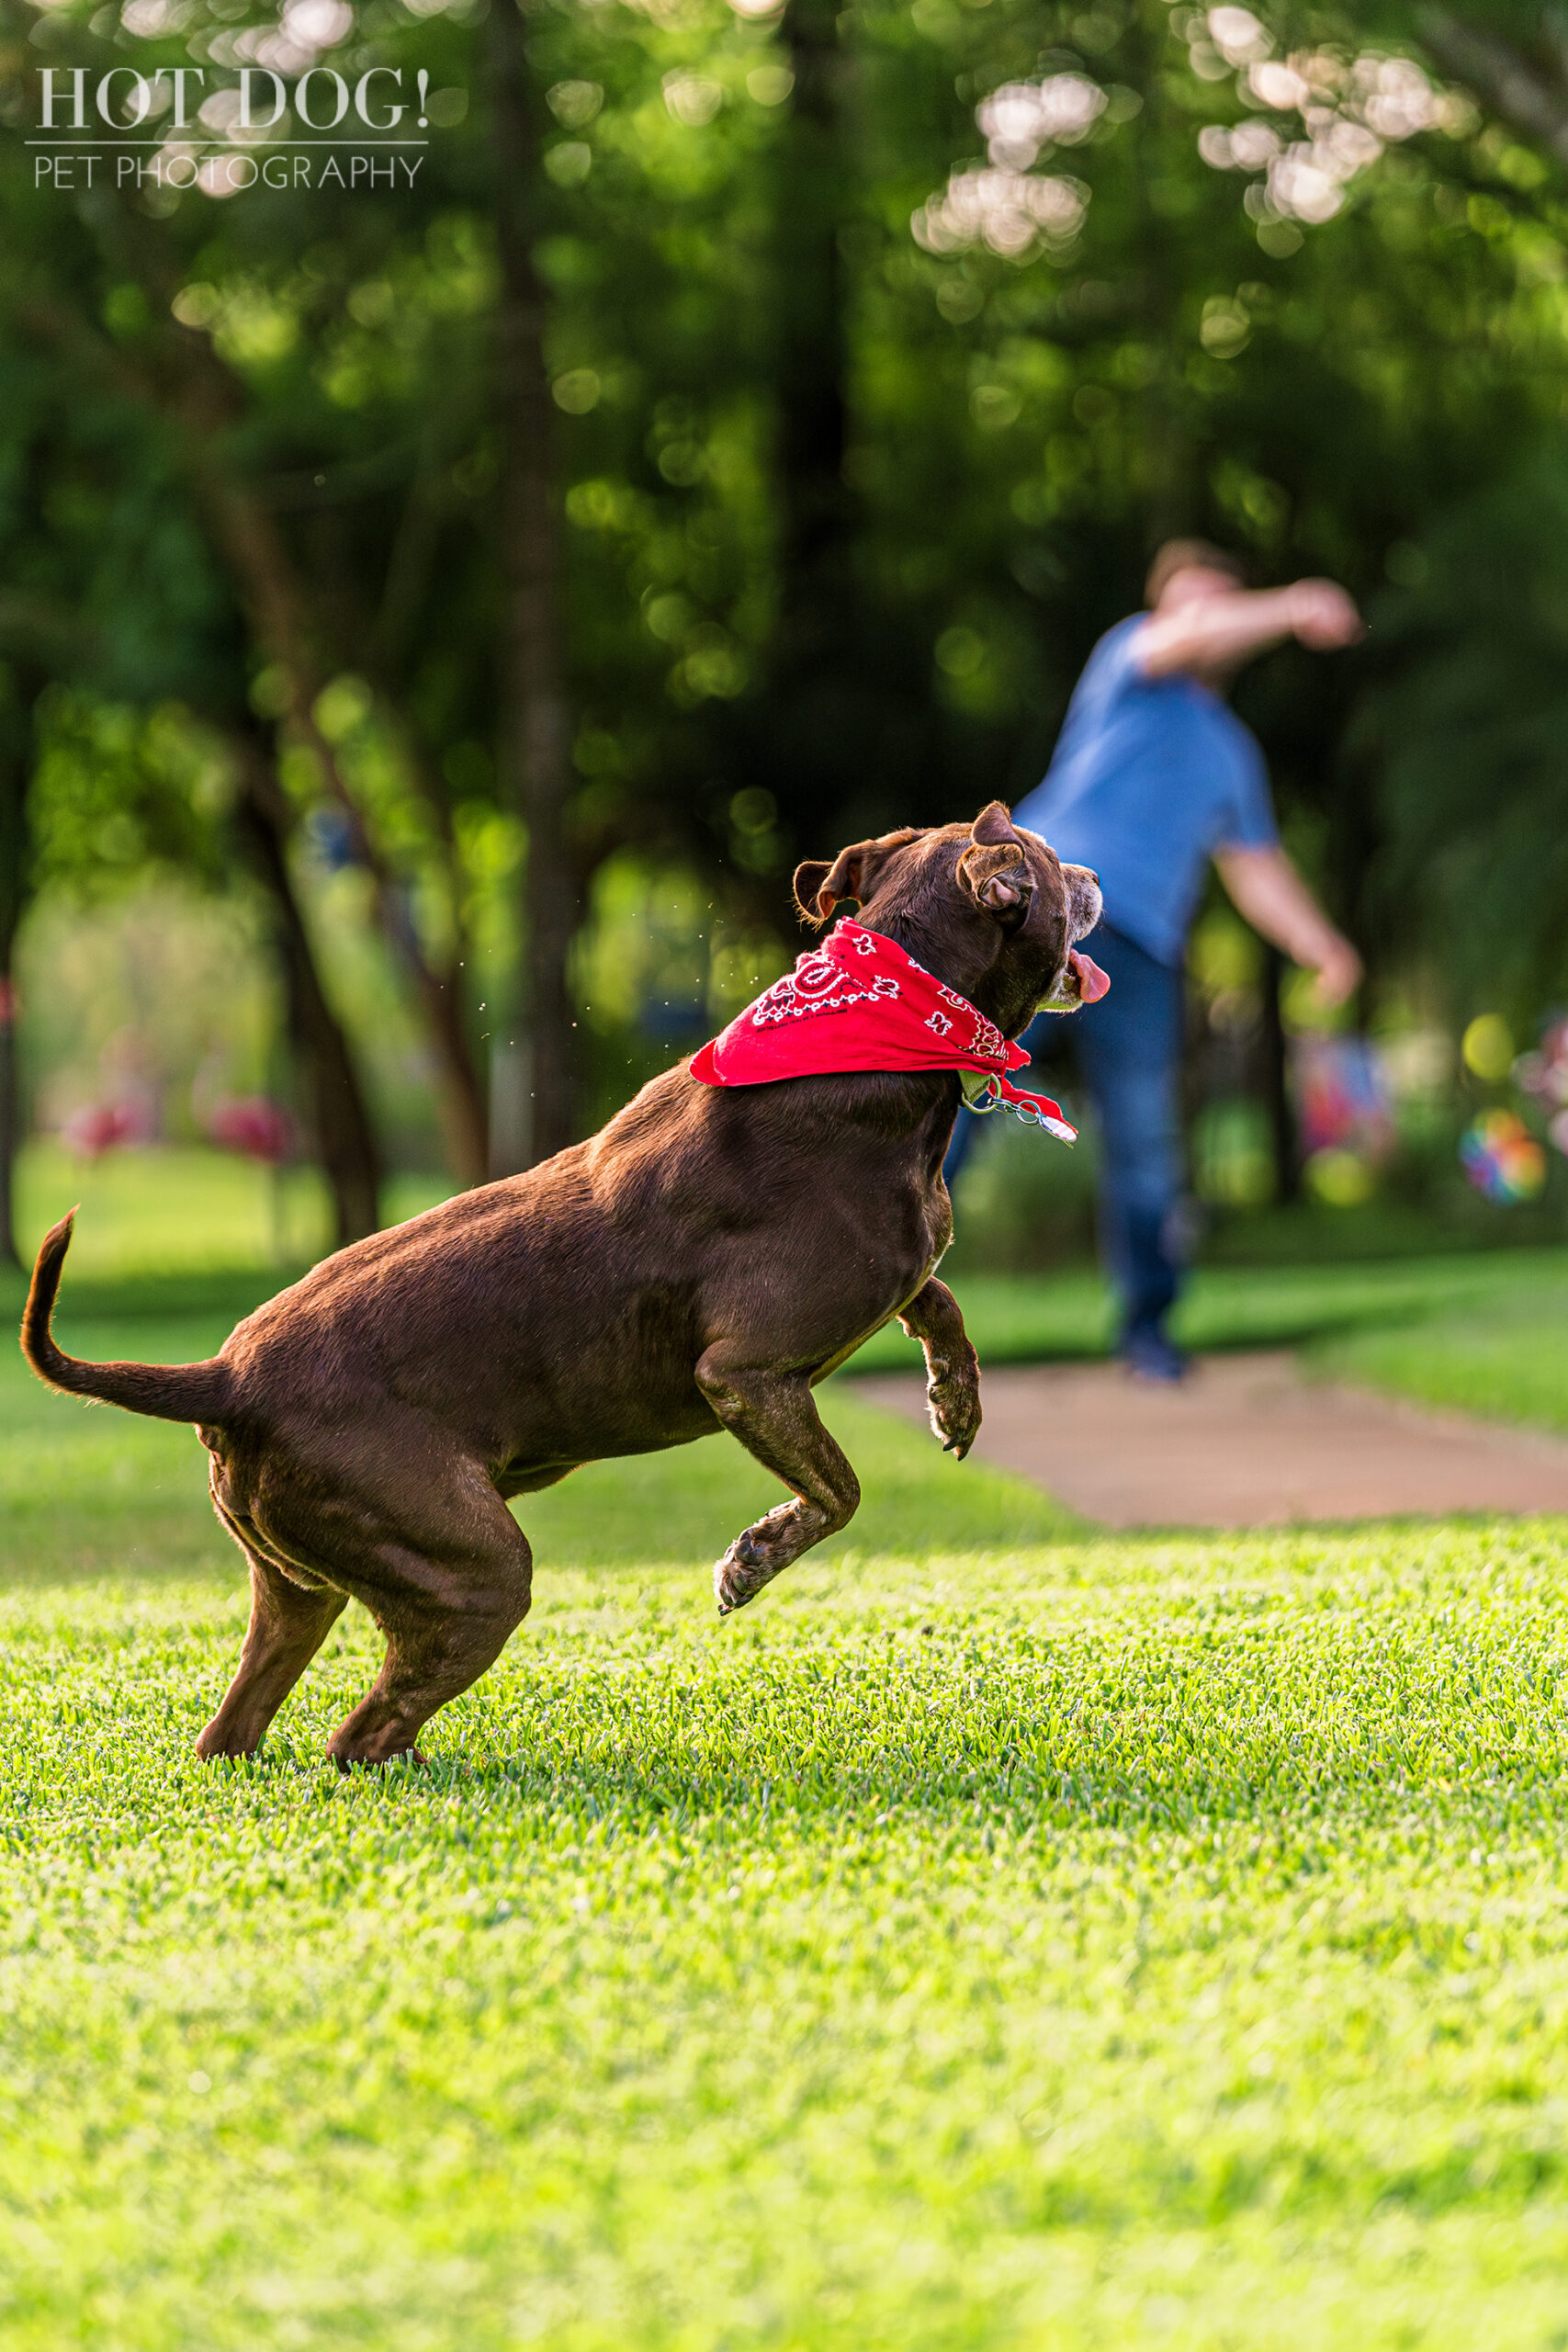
{"x": 818, "y": 985}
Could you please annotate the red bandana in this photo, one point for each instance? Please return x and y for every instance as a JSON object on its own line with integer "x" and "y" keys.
{"x": 860, "y": 1002}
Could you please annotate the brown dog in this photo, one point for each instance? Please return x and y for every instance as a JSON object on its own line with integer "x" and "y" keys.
{"x": 698, "y": 1265}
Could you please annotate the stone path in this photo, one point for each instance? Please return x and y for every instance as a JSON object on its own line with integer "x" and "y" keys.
{"x": 1244, "y": 1442}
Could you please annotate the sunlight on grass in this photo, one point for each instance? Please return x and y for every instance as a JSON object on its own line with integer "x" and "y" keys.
{"x": 1107, "y": 1943}
{"x": 996, "y": 1935}
{"x": 1506, "y": 1358}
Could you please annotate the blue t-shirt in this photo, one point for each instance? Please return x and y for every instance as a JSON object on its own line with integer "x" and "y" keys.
{"x": 1149, "y": 777}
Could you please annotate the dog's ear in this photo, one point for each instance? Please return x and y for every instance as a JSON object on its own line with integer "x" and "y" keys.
{"x": 994, "y": 827}
{"x": 818, "y": 886}
{"x": 813, "y": 897}
{"x": 994, "y": 869}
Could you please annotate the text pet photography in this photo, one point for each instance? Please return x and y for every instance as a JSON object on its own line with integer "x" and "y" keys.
{"x": 219, "y": 151}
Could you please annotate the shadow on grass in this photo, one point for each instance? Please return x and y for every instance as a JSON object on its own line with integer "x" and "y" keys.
{"x": 1307, "y": 1794}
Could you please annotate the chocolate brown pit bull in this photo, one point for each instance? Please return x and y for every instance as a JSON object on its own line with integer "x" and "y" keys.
{"x": 697, "y": 1266}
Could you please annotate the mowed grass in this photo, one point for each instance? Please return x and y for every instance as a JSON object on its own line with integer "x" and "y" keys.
{"x": 1503, "y": 1355}
{"x": 995, "y": 1936}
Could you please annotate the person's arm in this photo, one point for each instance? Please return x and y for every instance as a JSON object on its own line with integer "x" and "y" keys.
{"x": 1218, "y": 633}
{"x": 1265, "y": 886}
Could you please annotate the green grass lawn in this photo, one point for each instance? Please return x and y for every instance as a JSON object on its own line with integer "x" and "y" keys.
{"x": 996, "y": 1937}
{"x": 1504, "y": 1355}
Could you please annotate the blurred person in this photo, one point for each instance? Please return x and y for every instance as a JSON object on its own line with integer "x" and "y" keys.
{"x": 1151, "y": 776}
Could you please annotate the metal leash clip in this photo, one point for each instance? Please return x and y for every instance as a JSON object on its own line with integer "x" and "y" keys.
{"x": 988, "y": 1097}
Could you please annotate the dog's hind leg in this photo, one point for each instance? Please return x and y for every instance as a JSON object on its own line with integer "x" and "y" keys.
{"x": 438, "y": 1560}
{"x": 435, "y": 1648}
{"x": 774, "y": 1417}
{"x": 288, "y": 1623}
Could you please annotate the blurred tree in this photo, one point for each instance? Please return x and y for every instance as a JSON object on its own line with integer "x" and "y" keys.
{"x": 1453, "y": 783}
{"x": 1464, "y": 740}
{"x": 736, "y": 433}
{"x": 815, "y": 212}
{"x": 338, "y": 1117}
{"x": 110, "y": 595}
{"x": 533, "y": 721}
{"x": 1513, "y": 54}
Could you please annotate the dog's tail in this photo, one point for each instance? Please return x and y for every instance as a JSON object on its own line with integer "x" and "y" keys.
{"x": 175, "y": 1392}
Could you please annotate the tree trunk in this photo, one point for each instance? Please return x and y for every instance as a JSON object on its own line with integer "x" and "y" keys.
{"x": 811, "y": 203}
{"x": 15, "y": 774}
{"x": 344, "y": 1133}
{"x": 10, "y": 1109}
{"x": 535, "y": 717}
{"x": 839, "y": 729}
{"x": 1166, "y": 457}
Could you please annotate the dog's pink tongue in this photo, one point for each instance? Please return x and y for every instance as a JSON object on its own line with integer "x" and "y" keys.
{"x": 1092, "y": 982}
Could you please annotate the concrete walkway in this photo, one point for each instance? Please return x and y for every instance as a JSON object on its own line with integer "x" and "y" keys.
{"x": 1243, "y": 1441}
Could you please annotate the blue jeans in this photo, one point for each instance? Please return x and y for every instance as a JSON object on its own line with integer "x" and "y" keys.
{"x": 1129, "y": 1051}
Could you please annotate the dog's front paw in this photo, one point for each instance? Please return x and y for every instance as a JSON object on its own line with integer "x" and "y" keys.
{"x": 754, "y": 1559}
{"x": 953, "y": 1396}
{"x": 221, "y": 1744}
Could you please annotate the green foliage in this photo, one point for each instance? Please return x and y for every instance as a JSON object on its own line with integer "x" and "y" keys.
{"x": 844, "y": 510}
{"x": 1016, "y": 423}
{"x": 109, "y": 582}
{"x": 116, "y": 789}
{"x": 1467, "y": 735}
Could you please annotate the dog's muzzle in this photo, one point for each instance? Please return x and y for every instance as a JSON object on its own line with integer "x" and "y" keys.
{"x": 1079, "y": 982}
